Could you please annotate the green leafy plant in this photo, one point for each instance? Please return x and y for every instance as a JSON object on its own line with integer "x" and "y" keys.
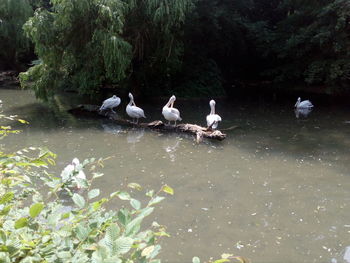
{"x": 64, "y": 225}
{"x": 50, "y": 218}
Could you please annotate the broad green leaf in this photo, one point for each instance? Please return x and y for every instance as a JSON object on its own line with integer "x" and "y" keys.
{"x": 196, "y": 260}
{"x": 124, "y": 216}
{"x": 135, "y": 186}
{"x": 155, "y": 200}
{"x": 22, "y": 222}
{"x": 122, "y": 195}
{"x": 39, "y": 163}
{"x": 112, "y": 233}
{"x": 35, "y": 209}
{"x": 78, "y": 200}
{"x": 65, "y": 215}
{"x": 7, "y": 197}
{"x": 122, "y": 245}
{"x": 134, "y": 226}
{"x": 135, "y": 204}
{"x": 5, "y": 210}
{"x": 93, "y": 193}
{"x": 97, "y": 205}
{"x": 167, "y": 189}
{"x": 146, "y": 211}
{"x": 155, "y": 251}
{"x": 82, "y": 232}
{"x": 3, "y": 236}
{"x": 146, "y": 252}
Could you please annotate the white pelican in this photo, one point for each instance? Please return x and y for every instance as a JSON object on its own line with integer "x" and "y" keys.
{"x": 110, "y": 103}
{"x": 305, "y": 104}
{"x": 169, "y": 112}
{"x": 213, "y": 119}
{"x": 133, "y": 111}
{"x": 74, "y": 173}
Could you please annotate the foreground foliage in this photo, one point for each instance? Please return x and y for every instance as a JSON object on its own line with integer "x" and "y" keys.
{"x": 71, "y": 228}
{"x": 48, "y": 218}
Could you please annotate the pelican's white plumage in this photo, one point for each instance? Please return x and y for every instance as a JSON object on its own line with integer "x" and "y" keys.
{"x": 213, "y": 119}
{"x": 110, "y": 103}
{"x": 305, "y": 104}
{"x": 169, "y": 112}
{"x": 302, "y": 112}
{"x": 133, "y": 111}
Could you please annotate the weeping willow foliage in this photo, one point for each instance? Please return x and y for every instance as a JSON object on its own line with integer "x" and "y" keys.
{"x": 86, "y": 44}
{"x": 155, "y": 30}
{"x": 13, "y": 42}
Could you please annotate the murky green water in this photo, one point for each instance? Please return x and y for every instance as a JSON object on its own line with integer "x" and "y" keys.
{"x": 276, "y": 190}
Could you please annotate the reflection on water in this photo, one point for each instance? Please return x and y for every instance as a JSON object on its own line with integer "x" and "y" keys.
{"x": 134, "y": 135}
{"x": 302, "y": 112}
{"x": 112, "y": 128}
{"x": 276, "y": 190}
{"x": 170, "y": 145}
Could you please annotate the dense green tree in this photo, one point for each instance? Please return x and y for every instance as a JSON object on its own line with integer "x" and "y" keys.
{"x": 187, "y": 47}
{"x": 14, "y": 45}
{"x": 86, "y": 44}
{"x": 309, "y": 41}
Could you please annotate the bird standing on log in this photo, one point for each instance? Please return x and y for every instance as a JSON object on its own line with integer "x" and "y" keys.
{"x": 133, "y": 111}
{"x": 212, "y": 119}
{"x": 169, "y": 112}
{"x": 110, "y": 103}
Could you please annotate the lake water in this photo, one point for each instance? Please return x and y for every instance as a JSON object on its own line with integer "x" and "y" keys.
{"x": 276, "y": 190}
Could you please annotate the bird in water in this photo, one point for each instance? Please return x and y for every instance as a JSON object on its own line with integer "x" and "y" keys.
{"x": 169, "y": 112}
{"x": 305, "y": 104}
{"x": 213, "y": 119}
{"x": 110, "y": 103}
{"x": 133, "y": 111}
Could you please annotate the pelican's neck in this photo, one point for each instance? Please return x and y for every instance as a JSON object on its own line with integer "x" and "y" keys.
{"x": 168, "y": 104}
{"x": 131, "y": 102}
{"x": 212, "y": 109}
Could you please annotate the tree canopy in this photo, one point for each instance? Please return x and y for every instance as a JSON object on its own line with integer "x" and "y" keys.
{"x": 187, "y": 47}
{"x": 85, "y": 44}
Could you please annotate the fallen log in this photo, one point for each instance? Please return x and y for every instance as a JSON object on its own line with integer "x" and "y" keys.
{"x": 198, "y": 131}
